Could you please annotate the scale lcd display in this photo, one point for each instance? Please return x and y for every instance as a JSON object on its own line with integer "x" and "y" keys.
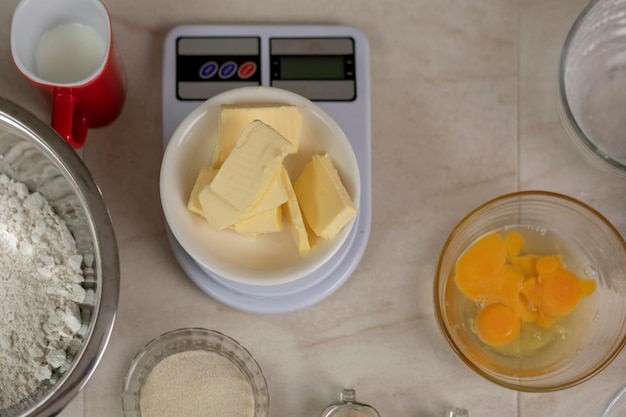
{"x": 312, "y": 68}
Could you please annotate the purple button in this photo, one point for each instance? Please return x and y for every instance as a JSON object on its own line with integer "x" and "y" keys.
{"x": 208, "y": 69}
{"x": 228, "y": 69}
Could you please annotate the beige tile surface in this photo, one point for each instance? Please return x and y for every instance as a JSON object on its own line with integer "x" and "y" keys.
{"x": 462, "y": 111}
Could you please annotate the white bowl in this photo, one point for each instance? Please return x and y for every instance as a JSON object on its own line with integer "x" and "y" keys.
{"x": 273, "y": 258}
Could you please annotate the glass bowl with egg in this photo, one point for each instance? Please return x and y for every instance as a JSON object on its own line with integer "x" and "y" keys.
{"x": 260, "y": 186}
{"x": 529, "y": 291}
{"x": 194, "y": 372}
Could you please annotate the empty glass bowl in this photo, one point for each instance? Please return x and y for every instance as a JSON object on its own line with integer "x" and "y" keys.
{"x": 592, "y": 83}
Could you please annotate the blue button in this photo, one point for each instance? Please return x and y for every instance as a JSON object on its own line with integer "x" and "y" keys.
{"x": 228, "y": 69}
{"x": 208, "y": 70}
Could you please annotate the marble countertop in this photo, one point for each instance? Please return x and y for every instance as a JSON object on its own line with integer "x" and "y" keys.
{"x": 463, "y": 110}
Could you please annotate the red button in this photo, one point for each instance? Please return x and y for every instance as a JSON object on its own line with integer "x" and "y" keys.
{"x": 247, "y": 70}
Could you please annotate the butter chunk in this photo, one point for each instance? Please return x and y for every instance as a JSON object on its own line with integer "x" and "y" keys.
{"x": 267, "y": 221}
{"x": 204, "y": 178}
{"x": 273, "y": 196}
{"x": 218, "y": 212}
{"x": 294, "y": 215}
{"x": 247, "y": 171}
{"x": 285, "y": 119}
{"x": 325, "y": 202}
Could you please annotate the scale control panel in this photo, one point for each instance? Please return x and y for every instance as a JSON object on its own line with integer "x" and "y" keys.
{"x": 328, "y": 64}
{"x": 321, "y": 68}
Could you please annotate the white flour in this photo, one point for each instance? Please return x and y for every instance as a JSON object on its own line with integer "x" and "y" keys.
{"x": 40, "y": 291}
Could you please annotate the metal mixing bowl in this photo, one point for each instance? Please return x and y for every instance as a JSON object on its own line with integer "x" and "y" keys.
{"x": 32, "y": 153}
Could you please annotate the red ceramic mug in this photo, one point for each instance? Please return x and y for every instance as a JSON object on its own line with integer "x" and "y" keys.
{"x": 65, "y": 48}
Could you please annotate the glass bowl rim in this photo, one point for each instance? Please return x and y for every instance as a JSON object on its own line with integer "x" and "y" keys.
{"x": 615, "y": 397}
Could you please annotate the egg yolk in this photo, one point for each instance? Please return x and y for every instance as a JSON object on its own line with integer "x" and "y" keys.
{"x": 497, "y": 325}
{"x": 511, "y": 289}
{"x": 476, "y": 270}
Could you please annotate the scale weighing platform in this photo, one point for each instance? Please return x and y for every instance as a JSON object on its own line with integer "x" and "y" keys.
{"x": 325, "y": 63}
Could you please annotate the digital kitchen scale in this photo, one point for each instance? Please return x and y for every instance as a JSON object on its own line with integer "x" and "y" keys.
{"x": 327, "y": 64}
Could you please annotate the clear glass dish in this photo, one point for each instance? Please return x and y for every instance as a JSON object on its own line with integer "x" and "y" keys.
{"x": 191, "y": 339}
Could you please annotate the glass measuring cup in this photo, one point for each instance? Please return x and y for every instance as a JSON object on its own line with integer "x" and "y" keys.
{"x": 349, "y": 407}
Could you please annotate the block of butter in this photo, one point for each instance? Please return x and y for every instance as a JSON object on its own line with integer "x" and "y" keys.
{"x": 220, "y": 214}
{"x": 250, "y": 166}
{"x": 267, "y": 221}
{"x": 204, "y": 178}
{"x": 285, "y": 119}
{"x": 273, "y": 196}
{"x": 325, "y": 202}
{"x": 294, "y": 215}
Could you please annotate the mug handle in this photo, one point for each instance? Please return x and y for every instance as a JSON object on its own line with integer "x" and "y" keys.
{"x": 68, "y": 118}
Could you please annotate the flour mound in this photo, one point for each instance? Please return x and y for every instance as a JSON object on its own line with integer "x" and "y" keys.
{"x": 40, "y": 289}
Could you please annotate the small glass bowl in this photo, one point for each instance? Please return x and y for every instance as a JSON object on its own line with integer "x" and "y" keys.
{"x": 192, "y": 339}
{"x": 592, "y": 248}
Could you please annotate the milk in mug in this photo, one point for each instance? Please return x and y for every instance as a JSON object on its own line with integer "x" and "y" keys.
{"x": 69, "y": 53}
